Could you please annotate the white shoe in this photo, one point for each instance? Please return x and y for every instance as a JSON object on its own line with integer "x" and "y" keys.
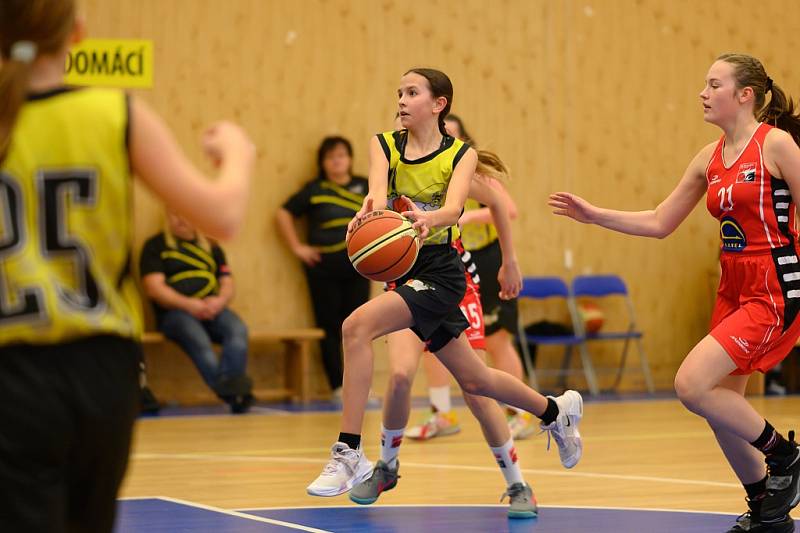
{"x": 347, "y": 467}
{"x": 565, "y": 428}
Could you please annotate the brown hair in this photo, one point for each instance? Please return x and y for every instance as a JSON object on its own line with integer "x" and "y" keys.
{"x": 489, "y": 163}
{"x": 780, "y": 110}
{"x": 440, "y": 86}
{"x": 45, "y": 23}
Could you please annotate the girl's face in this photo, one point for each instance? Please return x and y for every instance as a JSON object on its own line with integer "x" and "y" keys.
{"x": 721, "y": 100}
{"x": 337, "y": 161}
{"x": 452, "y": 128}
{"x": 416, "y": 103}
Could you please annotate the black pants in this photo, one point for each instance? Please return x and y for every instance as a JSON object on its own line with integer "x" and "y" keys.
{"x": 333, "y": 299}
{"x": 66, "y": 419}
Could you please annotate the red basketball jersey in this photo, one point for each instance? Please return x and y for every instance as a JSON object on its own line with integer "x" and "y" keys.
{"x": 755, "y": 210}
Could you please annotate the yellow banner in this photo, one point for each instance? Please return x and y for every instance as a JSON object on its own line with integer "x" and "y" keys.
{"x": 124, "y": 63}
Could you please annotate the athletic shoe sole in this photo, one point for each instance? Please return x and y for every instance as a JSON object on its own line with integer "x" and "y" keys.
{"x": 370, "y": 501}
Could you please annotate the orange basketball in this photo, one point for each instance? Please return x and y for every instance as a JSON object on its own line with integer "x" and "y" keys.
{"x": 591, "y": 315}
{"x": 383, "y": 247}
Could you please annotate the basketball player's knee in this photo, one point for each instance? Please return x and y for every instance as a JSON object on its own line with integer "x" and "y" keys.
{"x": 688, "y": 391}
{"x": 476, "y": 384}
{"x": 354, "y": 328}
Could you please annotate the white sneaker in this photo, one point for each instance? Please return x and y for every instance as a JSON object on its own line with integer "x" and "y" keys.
{"x": 347, "y": 467}
{"x": 565, "y": 428}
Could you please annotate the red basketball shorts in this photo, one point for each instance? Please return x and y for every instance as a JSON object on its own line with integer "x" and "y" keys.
{"x": 755, "y": 313}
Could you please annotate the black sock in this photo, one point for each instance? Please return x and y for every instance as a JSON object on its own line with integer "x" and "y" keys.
{"x": 550, "y": 413}
{"x": 755, "y": 489}
{"x": 352, "y": 440}
{"x": 770, "y": 442}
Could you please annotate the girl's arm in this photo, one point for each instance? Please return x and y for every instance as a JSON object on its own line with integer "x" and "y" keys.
{"x": 509, "y": 276}
{"x": 378, "y": 183}
{"x": 484, "y": 214}
{"x": 658, "y": 222}
{"x": 215, "y": 207}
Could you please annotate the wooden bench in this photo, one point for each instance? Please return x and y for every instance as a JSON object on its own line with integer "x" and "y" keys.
{"x": 296, "y": 348}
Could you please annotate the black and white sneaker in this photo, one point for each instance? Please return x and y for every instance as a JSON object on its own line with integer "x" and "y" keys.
{"x": 749, "y": 523}
{"x": 783, "y": 485}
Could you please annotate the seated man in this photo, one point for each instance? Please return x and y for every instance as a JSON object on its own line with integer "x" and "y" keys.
{"x": 190, "y": 286}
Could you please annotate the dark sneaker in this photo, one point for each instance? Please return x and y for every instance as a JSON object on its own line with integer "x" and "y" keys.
{"x": 382, "y": 479}
{"x": 748, "y": 523}
{"x": 521, "y": 500}
{"x": 783, "y": 485}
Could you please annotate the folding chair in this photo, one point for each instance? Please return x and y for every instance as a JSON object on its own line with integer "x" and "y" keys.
{"x": 601, "y": 286}
{"x": 540, "y": 288}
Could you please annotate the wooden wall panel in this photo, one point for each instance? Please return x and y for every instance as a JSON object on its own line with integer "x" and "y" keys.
{"x": 597, "y": 97}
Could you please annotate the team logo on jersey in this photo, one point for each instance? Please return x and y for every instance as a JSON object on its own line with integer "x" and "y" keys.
{"x": 714, "y": 179}
{"x": 747, "y": 173}
{"x": 732, "y": 235}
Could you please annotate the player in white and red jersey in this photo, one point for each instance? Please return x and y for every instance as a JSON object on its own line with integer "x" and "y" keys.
{"x": 749, "y": 177}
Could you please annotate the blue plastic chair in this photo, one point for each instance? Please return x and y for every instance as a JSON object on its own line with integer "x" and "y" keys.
{"x": 539, "y": 288}
{"x": 601, "y": 286}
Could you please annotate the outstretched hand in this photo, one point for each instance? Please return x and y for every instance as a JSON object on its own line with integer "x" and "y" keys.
{"x": 572, "y": 206}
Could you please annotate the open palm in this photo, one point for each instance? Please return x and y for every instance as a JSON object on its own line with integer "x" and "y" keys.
{"x": 570, "y": 205}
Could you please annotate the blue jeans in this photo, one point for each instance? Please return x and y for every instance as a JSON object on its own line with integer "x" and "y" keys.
{"x": 195, "y": 337}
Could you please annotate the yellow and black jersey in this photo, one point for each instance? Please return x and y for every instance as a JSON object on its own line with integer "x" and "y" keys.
{"x": 476, "y": 236}
{"x": 188, "y": 268}
{"x": 424, "y": 180}
{"x": 65, "y": 229}
{"x": 329, "y": 207}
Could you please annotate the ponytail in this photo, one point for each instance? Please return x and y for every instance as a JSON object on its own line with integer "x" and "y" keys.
{"x": 491, "y": 166}
{"x": 780, "y": 112}
{"x": 13, "y": 89}
{"x": 28, "y": 29}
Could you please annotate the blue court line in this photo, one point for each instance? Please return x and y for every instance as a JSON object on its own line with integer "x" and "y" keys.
{"x": 168, "y": 515}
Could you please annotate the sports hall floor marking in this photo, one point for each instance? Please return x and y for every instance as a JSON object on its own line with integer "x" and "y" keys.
{"x": 594, "y": 475}
{"x": 237, "y": 514}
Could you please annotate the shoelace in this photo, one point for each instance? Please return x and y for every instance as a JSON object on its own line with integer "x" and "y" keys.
{"x": 512, "y": 491}
{"x": 555, "y": 434}
{"x": 336, "y": 461}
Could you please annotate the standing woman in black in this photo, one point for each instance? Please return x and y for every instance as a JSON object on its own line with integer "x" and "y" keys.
{"x": 329, "y": 201}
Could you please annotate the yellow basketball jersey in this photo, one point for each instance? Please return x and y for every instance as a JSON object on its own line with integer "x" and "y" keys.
{"x": 65, "y": 226}
{"x": 423, "y": 180}
{"x": 477, "y": 236}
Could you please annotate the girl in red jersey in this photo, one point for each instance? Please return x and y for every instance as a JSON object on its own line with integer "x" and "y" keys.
{"x": 749, "y": 177}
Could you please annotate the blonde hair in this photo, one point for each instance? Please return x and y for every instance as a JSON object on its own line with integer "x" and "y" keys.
{"x": 44, "y": 25}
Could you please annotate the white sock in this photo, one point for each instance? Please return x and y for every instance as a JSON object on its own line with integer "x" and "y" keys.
{"x": 390, "y": 445}
{"x": 440, "y": 398}
{"x": 506, "y": 457}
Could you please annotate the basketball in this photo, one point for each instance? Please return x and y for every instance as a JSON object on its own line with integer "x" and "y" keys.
{"x": 591, "y": 315}
{"x": 383, "y": 247}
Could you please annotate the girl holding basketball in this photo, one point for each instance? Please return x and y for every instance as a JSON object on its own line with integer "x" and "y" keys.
{"x": 750, "y": 178}
{"x": 425, "y": 167}
{"x": 405, "y": 350}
